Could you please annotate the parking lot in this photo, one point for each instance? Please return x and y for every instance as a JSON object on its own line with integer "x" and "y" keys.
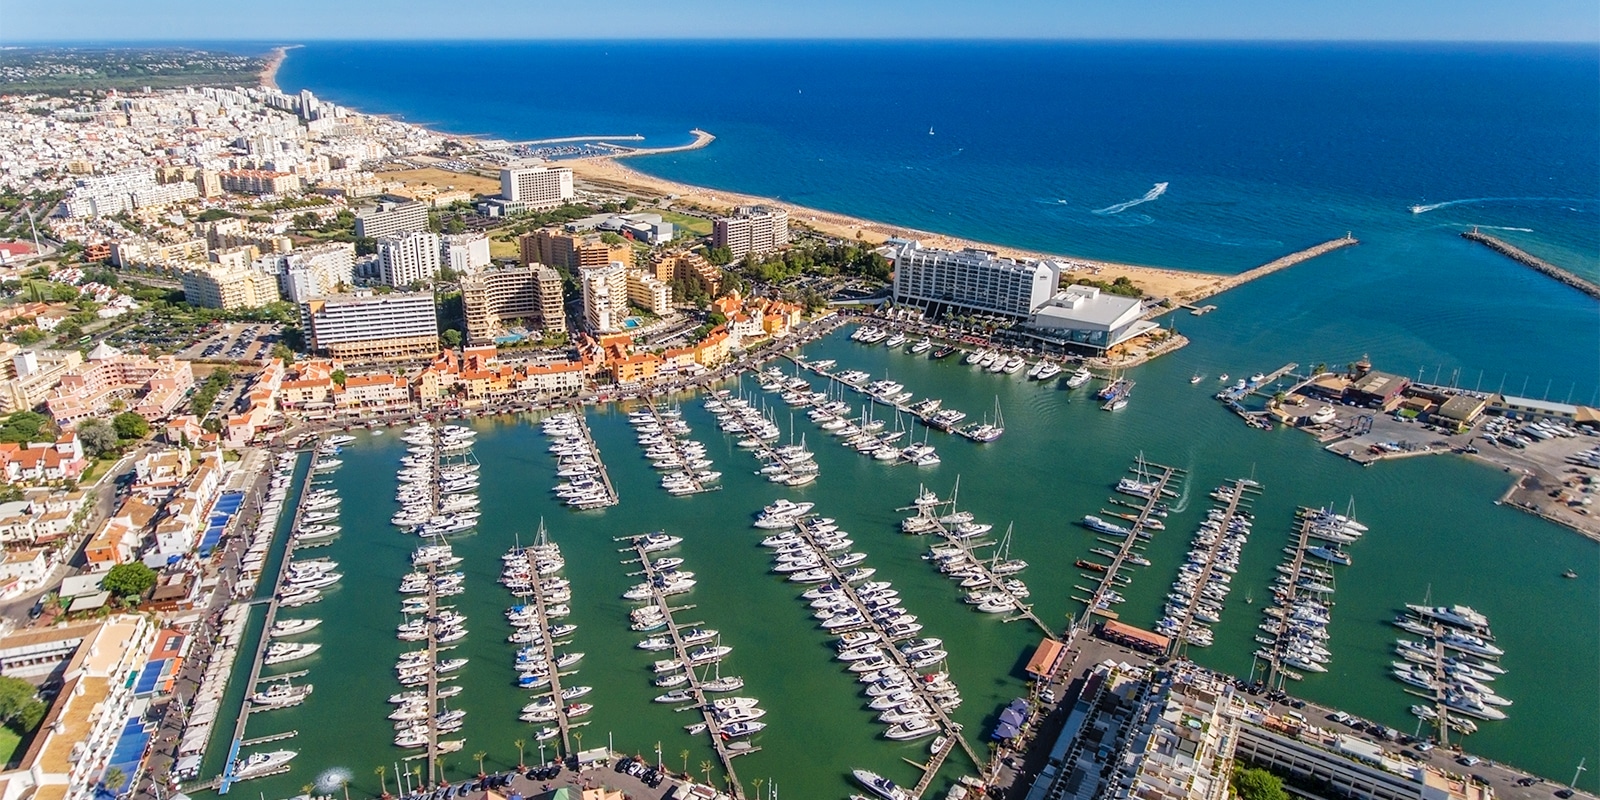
{"x": 235, "y": 341}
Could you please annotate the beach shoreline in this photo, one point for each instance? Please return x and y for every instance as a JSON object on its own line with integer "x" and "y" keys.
{"x": 269, "y": 72}
{"x": 607, "y": 172}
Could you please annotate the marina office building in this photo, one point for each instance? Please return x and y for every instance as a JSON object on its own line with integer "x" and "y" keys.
{"x": 373, "y": 326}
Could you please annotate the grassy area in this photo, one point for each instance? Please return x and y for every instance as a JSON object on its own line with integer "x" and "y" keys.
{"x": 477, "y": 184}
{"x": 9, "y": 742}
{"x": 499, "y": 249}
{"x": 700, "y": 227}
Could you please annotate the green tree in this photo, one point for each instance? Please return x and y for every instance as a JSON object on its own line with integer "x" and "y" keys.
{"x": 338, "y": 376}
{"x": 130, "y": 426}
{"x": 20, "y": 706}
{"x": 97, "y": 436}
{"x": 68, "y": 331}
{"x": 282, "y": 352}
{"x": 452, "y": 338}
{"x": 25, "y": 426}
{"x": 129, "y": 580}
{"x": 1258, "y": 784}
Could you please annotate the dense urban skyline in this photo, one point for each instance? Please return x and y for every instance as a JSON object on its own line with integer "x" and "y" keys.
{"x": 1360, "y": 20}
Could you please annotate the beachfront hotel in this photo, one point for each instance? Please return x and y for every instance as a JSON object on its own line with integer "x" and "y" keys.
{"x": 970, "y": 281}
{"x": 373, "y": 326}
{"x": 751, "y": 230}
{"x": 528, "y": 188}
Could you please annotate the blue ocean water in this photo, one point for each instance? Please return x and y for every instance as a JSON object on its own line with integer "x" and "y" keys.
{"x": 1264, "y": 149}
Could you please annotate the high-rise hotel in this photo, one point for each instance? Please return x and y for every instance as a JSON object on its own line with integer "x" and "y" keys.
{"x": 970, "y": 281}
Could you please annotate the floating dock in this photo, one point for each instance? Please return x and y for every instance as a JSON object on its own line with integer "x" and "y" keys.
{"x": 1096, "y": 602}
{"x": 1230, "y": 510}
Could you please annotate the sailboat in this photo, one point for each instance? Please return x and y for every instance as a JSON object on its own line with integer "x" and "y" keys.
{"x": 987, "y": 431}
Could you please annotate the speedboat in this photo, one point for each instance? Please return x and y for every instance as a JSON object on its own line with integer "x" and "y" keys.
{"x": 880, "y": 786}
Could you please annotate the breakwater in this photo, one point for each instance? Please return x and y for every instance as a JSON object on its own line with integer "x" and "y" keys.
{"x": 1523, "y": 257}
{"x": 1270, "y": 267}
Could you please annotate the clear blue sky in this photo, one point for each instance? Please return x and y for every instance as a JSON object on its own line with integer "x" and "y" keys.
{"x": 302, "y": 20}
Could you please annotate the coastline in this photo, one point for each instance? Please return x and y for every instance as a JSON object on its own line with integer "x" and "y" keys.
{"x": 608, "y": 172}
{"x": 269, "y": 72}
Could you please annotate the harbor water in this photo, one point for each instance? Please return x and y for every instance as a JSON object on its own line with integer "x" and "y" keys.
{"x": 1435, "y": 534}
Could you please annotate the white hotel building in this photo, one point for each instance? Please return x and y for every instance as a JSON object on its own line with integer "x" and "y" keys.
{"x": 373, "y": 326}
{"x": 970, "y": 281}
{"x": 979, "y": 282}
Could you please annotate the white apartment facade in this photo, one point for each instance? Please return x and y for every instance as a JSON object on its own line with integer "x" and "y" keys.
{"x": 751, "y": 230}
{"x": 648, "y": 292}
{"x": 373, "y": 326}
{"x": 970, "y": 281}
{"x": 605, "y": 297}
{"x": 408, "y": 259}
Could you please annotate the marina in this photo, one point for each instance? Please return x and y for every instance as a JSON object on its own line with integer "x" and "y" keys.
{"x": 1297, "y": 623}
{"x": 587, "y": 486}
{"x": 798, "y": 712}
{"x": 1153, "y": 485}
{"x": 871, "y": 628}
{"x": 1205, "y": 579}
{"x": 532, "y": 573}
{"x": 727, "y": 721}
{"x": 995, "y": 590}
{"x": 929, "y": 411}
{"x": 665, "y": 438}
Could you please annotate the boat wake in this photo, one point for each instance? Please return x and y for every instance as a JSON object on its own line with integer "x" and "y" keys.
{"x": 1183, "y": 500}
{"x": 1155, "y": 192}
{"x": 1503, "y": 228}
{"x": 1423, "y": 209}
{"x": 331, "y": 779}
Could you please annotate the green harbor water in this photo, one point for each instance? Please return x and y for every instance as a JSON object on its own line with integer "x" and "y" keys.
{"x": 1434, "y": 532}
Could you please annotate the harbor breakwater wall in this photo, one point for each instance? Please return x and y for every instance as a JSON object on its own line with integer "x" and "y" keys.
{"x": 1283, "y": 263}
{"x": 1523, "y": 257}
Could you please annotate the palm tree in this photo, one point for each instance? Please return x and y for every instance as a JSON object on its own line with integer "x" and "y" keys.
{"x": 520, "y": 744}
{"x": 757, "y": 782}
{"x": 705, "y": 766}
{"x": 344, "y": 783}
{"x": 685, "y": 755}
{"x": 478, "y": 756}
{"x": 305, "y": 789}
{"x": 383, "y": 785}
{"x": 112, "y": 778}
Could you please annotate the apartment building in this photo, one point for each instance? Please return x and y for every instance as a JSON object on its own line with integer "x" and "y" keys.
{"x": 605, "y": 297}
{"x": 27, "y": 377}
{"x": 751, "y": 230}
{"x": 373, "y": 326}
{"x": 970, "y": 281}
{"x": 648, "y": 292}
{"x": 464, "y": 253}
{"x": 687, "y": 265}
{"x": 571, "y": 251}
{"x": 524, "y": 188}
{"x": 258, "y": 181}
{"x": 316, "y": 271}
{"x": 228, "y": 287}
{"x": 405, "y": 260}
{"x": 529, "y": 295}
{"x": 151, "y": 387}
{"x": 391, "y": 219}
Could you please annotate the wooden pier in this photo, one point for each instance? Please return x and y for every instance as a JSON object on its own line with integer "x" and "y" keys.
{"x": 1024, "y": 611}
{"x": 547, "y": 644}
{"x": 700, "y": 486}
{"x": 949, "y": 727}
{"x": 600, "y": 464}
{"x": 226, "y": 779}
{"x": 1286, "y": 598}
{"x": 1179, "y": 644}
{"x": 1097, "y": 602}
{"x": 696, "y": 686}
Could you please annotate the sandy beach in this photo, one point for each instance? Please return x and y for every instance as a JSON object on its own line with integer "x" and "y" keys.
{"x": 269, "y": 73}
{"x": 608, "y": 172}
